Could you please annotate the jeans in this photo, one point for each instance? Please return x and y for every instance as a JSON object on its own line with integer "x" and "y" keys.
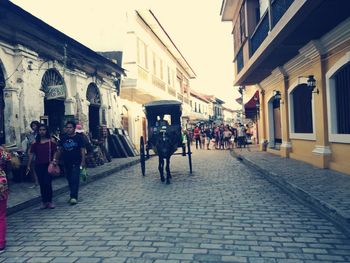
{"x": 72, "y": 172}
{"x": 45, "y": 182}
{"x": 3, "y": 205}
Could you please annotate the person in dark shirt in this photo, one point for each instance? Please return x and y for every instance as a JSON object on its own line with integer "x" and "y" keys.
{"x": 72, "y": 149}
{"x": 44, "y": 149}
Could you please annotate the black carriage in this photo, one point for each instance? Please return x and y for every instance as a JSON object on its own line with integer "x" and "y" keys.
{"x": 164, "y": 128}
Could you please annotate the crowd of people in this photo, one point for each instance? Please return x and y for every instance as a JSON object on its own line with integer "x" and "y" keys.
{"x": 220, "y": 137}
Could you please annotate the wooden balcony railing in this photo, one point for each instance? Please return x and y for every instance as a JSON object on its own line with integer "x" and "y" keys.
{"x": 171, "y": 91}
{"x": 158, "y": 83}
{"x": 239, "y": 60}
{"x": 180, "y": 97}
{"x": 278, "y": 8}
{"x": 142, "y": 74}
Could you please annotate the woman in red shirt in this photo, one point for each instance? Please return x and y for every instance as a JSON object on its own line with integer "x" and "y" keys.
{"x": 196, "y": 133}
{"x": 44, "y": 150}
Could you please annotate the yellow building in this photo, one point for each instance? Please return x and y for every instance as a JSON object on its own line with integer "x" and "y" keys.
{"x": 297, "y": 54}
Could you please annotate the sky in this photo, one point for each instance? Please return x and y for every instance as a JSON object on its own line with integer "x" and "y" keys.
{"x": 195, "y": 27}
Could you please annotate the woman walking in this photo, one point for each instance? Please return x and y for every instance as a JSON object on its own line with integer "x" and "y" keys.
{"x": 44, "y": 150}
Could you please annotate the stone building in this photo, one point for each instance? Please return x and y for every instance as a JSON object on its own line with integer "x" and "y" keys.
{"x": 44, "y": 74}
{"x": 156, "y": 70}
{"x": 297, "y": 54}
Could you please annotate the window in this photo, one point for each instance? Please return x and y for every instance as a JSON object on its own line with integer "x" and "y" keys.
{"x": 161, "y": 69}
{"x": 168, "y": 75}
{"x": 239, "y": 30}
{"x": 302, "y": 109}
{"x": 338, "y": 97}
{"x": 199, "y": 108}
{"x": 154, "y": 63}
{"x": 195, "y": 106}
{"x": 263, "y": 5}
{"x": 142, "y": 54}
{"x": 342, "y": 99}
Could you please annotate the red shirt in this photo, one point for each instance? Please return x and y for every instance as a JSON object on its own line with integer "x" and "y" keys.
{"x": 41, "y": 151}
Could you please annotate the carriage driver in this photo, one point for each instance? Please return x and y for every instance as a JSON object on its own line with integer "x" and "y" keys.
{"x": 160, "y": 122}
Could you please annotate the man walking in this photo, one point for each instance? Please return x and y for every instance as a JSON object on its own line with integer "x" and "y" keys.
{"x": 72, "y": 149}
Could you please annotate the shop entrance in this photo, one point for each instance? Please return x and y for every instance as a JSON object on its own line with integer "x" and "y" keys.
{"x": 54, "y": 110}
{"x": 93, "y": 96}
{"x": 2, "y": 108}
{"x": 52, "y": 84}
{"x": 275, "y": 129}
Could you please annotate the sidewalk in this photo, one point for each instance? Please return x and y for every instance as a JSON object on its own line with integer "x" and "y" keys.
{"x": 22, "y": 196}
{"x": 324, "y": 190}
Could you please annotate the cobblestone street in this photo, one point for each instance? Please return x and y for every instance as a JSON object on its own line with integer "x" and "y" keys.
{"x": 222, "y": 213}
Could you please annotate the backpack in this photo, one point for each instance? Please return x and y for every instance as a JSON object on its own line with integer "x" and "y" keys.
{"x": 4, "y": 189}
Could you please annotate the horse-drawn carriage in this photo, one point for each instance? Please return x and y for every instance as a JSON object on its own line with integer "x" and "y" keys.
{"x": 165, "y": 135}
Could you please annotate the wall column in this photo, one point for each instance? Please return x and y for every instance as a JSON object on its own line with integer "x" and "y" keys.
{"x": 262, "y": 118}
{"x": 322, "y": 151}
{"x": 286, "y": 145}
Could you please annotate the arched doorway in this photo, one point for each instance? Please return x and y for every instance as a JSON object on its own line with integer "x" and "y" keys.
{"x": 93, "y": 96}
{"x": 275, "y": 128}
{"x": 2, "y": 108}
{"x": 53, "y": 85}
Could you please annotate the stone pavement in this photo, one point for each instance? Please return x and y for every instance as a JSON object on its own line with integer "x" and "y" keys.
{"x": 325, "y": 190}
{"x": 224, "y": 212}
{"x": 22, "y": 195}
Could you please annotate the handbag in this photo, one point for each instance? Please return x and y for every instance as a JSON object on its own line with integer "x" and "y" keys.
{"x": 53, "y": 168}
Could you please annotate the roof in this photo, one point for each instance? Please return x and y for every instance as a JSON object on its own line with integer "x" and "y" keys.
{"x": 199, "y": 96}
{"x": 160, "y": 103}
{"x": 20, "y": 27}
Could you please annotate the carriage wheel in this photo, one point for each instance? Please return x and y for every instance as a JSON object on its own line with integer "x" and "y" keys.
{"x": 189, "y": 153}
{"x": 142, "y": 156}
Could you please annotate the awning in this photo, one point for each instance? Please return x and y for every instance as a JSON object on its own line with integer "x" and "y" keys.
{"x": 251, "y": 104}
{"x": 250, "y": 107}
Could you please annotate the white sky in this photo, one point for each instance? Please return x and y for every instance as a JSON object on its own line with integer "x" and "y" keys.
{"x": 194, "y": 25}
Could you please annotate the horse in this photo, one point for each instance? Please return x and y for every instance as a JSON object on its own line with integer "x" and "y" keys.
{"x": 165, "y": 146}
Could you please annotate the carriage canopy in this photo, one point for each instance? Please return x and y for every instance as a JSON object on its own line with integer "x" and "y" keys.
{"x": 161, "y": 108}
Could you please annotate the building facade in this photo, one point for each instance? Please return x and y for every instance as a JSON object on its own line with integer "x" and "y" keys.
{"x": 199, "y": 107}
{"x": 156, "y": 70}
{"x": 300, "y": 64}
{"x": 48, "y": 76}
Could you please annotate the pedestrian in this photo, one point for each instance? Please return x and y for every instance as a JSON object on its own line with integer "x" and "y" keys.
{"x": 4, "y": 157}
{"x": 241, "y": 136}
{"x": 72, "y": 150}
{"x": 44, "y": 149}
{"x": 34, "y": 125}
{"x": 196, "y": 134}
{"x": 208, "y": 135}
{"x": 227, "y": 134}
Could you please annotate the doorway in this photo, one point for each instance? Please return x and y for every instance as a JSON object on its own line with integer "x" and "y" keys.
{"x": 275, "y": 128}
{"x": 54, "y": 109}
{"x": 93, "y": 96}
{"x": 52, "y": 84}
{"x": 94, "y": 121}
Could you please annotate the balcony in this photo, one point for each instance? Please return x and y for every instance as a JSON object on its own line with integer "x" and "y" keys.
{"x": 171, "y": 91}
{"x": 278, "y": 8}
{"x": 239, "y": 60}
{"x": 259, "y": 34}
{"x": 180, "y": 97}
{"x": 158, "y": 83}
{"x": 142, "y": 74}
{"x": 293, "y": 25}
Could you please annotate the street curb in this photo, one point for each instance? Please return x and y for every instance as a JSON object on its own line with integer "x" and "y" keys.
{"x": 321, "y": 207}
{"x": 65, "y": 189}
